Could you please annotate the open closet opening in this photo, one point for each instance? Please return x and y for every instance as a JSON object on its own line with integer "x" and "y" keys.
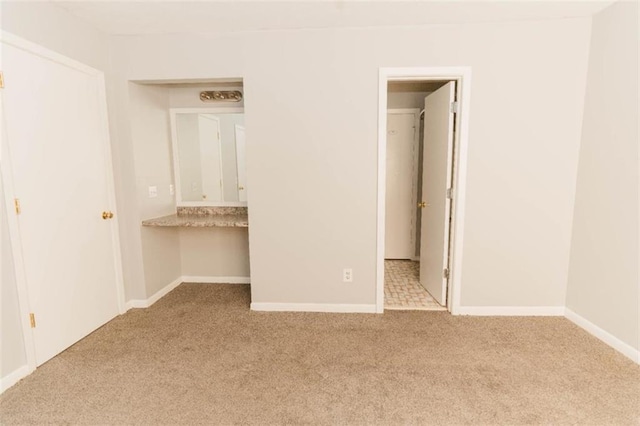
{"x": 420, "y": 143}
{"x": 189, "y": 149}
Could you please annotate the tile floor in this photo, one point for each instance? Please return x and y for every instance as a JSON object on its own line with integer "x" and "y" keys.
{"x": 402, "y": 288}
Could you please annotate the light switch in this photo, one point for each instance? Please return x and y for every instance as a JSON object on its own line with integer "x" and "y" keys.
{"x": 172, "y": 189}
{"x": 153, "y": 191}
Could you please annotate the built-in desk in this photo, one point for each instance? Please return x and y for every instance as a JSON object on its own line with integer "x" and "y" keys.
{"x": 209, "y": 245}
{"x": 203, "y": 217}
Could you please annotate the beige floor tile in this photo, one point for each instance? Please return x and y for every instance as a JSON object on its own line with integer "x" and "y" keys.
{"x": 402, "y": 288}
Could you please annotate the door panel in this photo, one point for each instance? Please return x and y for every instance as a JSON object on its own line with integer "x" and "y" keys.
{"x": 241, "y": 163}
{"x": 56, "y": 137}
{"x": 436, "y": 179}
{"x": 399, "y": 189}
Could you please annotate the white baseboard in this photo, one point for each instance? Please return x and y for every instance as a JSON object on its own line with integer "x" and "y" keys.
{"x": 164, "y": 291}
{"x": 14, "y": 377}
{"x": 145, "y": 303}
{"x": 314, "y": 307}
{"x": 136, "y": 303}
{"x": 516, "y": 311}
{"x": 608, "y": 338}
{"x": 216, "y": 280}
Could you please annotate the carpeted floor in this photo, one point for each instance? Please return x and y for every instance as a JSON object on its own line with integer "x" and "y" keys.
{"x": 199, "y": 356}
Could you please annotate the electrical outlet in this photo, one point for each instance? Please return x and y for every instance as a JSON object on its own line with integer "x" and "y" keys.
{"x": 347, "y": 275}
{"x": 172, "y": 189}
{"x": 153, "y": 191}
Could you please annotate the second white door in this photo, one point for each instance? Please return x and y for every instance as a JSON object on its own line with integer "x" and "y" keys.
{"x": 436, "y": 179}
{"x": 400, "y": 185}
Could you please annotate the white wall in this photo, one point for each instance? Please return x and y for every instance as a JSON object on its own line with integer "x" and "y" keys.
{"x": 150, "y": 134}
{"x": 311, "y": 120}
{"x": 12, "y": 354}
{"x": 603, "y": 278}
{"x": 214, "y": 252}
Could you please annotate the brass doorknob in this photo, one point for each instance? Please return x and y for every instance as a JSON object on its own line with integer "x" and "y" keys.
{"x": 107, "y": 215}
{"x": 422, "y": 204}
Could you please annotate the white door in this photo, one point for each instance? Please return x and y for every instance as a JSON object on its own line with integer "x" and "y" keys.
{"x": 399, "y": 190}
{"x": 55, "y": 128}
{"x": 241, "y": 163}
{"x": 210, "y": 157}
{"x": 436, "y": 179}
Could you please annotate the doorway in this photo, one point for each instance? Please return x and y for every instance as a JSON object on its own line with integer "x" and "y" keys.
{"x": 421, "y": 170}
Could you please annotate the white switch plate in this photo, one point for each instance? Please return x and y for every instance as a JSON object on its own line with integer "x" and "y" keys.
{"x": 153, "y": 191}
{"x": 347, "y": 275}
{"x": 172, "y": 189}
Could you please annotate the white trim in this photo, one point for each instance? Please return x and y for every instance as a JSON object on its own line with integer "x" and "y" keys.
{"x": 16, "y": 246}
{"x": 512, "y": 311}
{"x": 142, "y": 303}
{"x": 463, "y": 77}
{"x": 14, "y": 377}
{"x": 136, "y": 303}
{"x": 111, "y": 194}
{"x": 606, "y": 337}
{"x": 176, "y": 159}
{"x": 43, "y": 52}
{"x": 314, "y": 307}
{"x": 216, "y": 280}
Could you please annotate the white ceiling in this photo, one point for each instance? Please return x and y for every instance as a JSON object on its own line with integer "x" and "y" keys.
{"x": 167, "y": 17}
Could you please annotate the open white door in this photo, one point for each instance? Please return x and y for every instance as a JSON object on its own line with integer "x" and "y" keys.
{"x": 240, "y": 163}
{"x": 57, "y": 139}
{"x": 436, "y": 179}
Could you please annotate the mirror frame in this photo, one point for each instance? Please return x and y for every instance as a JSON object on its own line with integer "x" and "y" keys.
{"x": 176, "y": 160}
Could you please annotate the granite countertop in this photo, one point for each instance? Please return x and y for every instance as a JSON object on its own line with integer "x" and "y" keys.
{"x": 200, "y": 221}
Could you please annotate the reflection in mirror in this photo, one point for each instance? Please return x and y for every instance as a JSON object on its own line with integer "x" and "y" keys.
{"x": 209, "y": 147}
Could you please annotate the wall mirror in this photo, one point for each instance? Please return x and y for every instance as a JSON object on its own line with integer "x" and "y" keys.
{"x": 208, "y": 156}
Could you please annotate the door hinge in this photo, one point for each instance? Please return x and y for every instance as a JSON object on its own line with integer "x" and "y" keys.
{"x": 32, "y": 320}
{"x": 1, "y": 80}
{"x": 16, "y": 204}
{"x": 450, "y": 193}
{"x": 455, "y": 107}
{"x": 445, "y": 273}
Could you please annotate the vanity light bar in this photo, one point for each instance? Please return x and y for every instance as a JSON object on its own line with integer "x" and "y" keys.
{"x": 224, "y": 96}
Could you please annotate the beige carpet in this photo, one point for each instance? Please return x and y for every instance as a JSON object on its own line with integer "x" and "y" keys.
{"x": 199, "y": 356}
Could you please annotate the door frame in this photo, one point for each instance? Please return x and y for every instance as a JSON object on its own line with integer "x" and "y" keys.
{"x": 462, "y": 76}
{"x": 6, "y": 172}
{"x": 414, "y": 172}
